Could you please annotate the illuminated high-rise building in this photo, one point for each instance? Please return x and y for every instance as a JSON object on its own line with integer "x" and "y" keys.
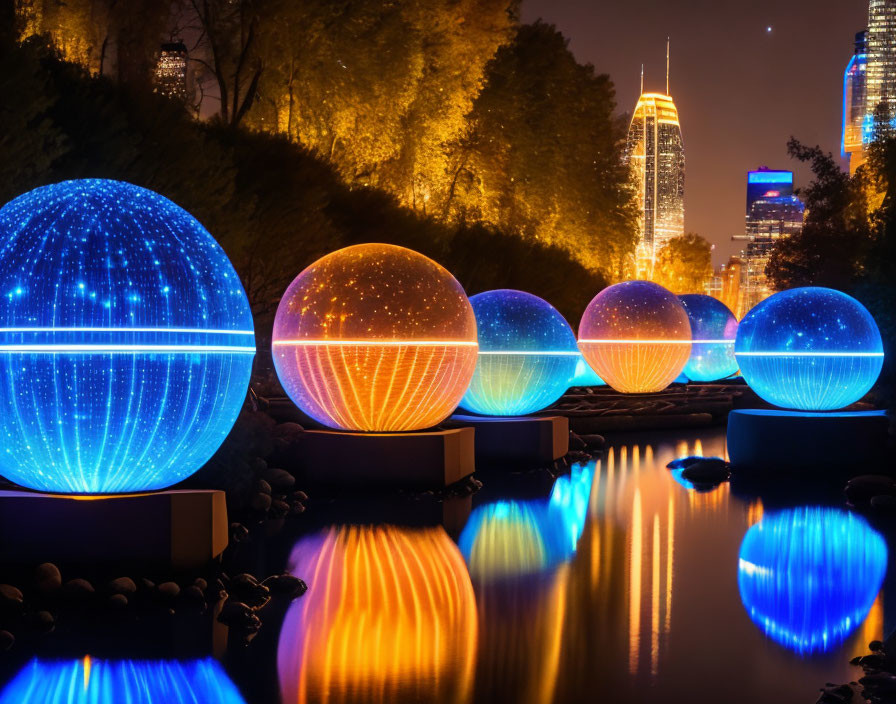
{"x": 774, "y": 214}
{"x": 171, "y": 71}
{"x": 880, "y": 93}
{"x": 855, "y": 96}
{"x": 655, "y": 152}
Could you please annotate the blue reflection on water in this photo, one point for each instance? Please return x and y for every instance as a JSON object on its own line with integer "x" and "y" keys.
{"x": 89, "y": 681}
{"x": 808, "y": 576}
{"x": 519, "y": 537}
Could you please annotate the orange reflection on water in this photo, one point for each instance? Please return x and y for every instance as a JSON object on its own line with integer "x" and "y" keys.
{"x": 389, "y": 615}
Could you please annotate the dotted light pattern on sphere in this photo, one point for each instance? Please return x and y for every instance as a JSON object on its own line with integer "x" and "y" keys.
{"x": 811, "y": 349}
{"x": 375, "y": 337}
{"x": 527, "y": 354}
{"x": 713, "y": 329}
{"x": 390, "y": 613}
{"x": 809, "y": 576}
{"x": 636, "y": 336}
{"x": 89, "y": 681}
{"x": 126, "y": 340}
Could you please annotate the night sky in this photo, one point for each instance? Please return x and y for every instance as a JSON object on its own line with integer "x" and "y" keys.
{"x": 741, "y": 90}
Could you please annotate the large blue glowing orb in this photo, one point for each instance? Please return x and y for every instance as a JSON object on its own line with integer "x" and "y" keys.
{"x": 126, "y": 340}
{"x": 89, "y": 681}
{"x": 713, "y": 329}
{"x": 527, "y": 354}
{"x": 812, "y": 349}
{"x": 808, "y": 576}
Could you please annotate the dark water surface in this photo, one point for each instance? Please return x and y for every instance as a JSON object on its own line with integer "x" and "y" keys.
{"x": 614, "y": 583}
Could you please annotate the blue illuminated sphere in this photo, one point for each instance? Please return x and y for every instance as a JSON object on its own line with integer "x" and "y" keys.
{"x": 527, "y": 354}
{"x": 812, "y": 349}
{"x": 809, "y": 576}
{"x": 126, "y": 340}
{"x": 713, "y": 329}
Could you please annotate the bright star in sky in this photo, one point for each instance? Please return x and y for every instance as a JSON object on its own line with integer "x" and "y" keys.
{"x": 768, "y": 29}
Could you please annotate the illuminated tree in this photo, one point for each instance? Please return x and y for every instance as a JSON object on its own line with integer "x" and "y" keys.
{"x": 542, "y": 156}
{"x": 684, "y": 264}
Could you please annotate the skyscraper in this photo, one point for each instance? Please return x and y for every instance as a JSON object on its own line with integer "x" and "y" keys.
{"x": 771, "y": 214}
{"x": 880, "y": 96}
{"x": 855, "y": 96}
{"x": 171, "y": 71}
{"x": 655, "y": 152}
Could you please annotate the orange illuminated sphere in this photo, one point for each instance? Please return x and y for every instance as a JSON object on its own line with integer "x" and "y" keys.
{"x": 376, "y": 338}
{"x": 636, "y": 335}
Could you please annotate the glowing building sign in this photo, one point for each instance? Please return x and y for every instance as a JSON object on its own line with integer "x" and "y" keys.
{"x": 812, "y": 349}
{"x": 636, "y": 336}
{"x": 375, "y": 337}
{"x": 527, "y": 354}
{"x": 126, "y": 340}
{"x": 808, "y": 576}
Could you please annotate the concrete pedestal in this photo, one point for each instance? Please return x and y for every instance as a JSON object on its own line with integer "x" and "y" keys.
{"x": 803, "y": 441}
{"x": 413, "y": 460}
{"x": 180, "y": 529}
{"x": 529, "y": 441}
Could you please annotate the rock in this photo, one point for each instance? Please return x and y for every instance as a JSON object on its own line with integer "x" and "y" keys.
{"x": 300, "y": 496}
{"x": 168, "y": 591}
{"x": 279, "y": 478}
{"x": 118, "y": 602}
{"x": 875, "y": 646}
{"x": 201, "y": 583}
{"x": 711, "y": 470}
{"x": 146, "y": 584}
{"x": 683, "y": 462}
{"x": 287, "y": 431}
{"x": 78, "y": 589}
{"x": 42, "y": 621}
{"x": 576, "y": 443}
{"x": 47, "y": 578}
{"x": 286, "y": 584}
{"x": 836, "y": 694}
{"x": 244, "y": 587}
{"x": 883, "y": 502}
{"x": 261, "y": 502}
{"x": 238, "y": 615}
{"x": 11, "y": 598}
{"x": 238, "y": 532}
{"x": 262, "y": 487}
{"x": 280, "y": 507}
{"x": 860, "y": 490}
{"x": 7, "y": 640}
{"x": 194, "y": 594}
{"x": 594, "y": 441}
{"x": 122, "y": 585}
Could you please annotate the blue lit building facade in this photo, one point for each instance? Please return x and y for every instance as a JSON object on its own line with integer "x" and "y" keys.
{"x": 855, "y": 95}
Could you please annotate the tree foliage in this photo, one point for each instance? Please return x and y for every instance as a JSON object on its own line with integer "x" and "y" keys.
{"x": 542, "y": 154}
{"x": 684, "y": 264}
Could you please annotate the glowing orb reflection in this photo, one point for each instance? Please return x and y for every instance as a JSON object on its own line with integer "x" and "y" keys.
{"x": 89, "y": 681}
{"x": 126, "y": 340}
{"x": 812, "y": 349}
{"x": 808, "y": 576}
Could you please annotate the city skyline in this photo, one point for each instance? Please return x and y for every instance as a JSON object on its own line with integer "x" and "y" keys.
{"x": 741, "y": 90}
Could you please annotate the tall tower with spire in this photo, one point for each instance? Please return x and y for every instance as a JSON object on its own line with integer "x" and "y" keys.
{"x": 655, "y": 153}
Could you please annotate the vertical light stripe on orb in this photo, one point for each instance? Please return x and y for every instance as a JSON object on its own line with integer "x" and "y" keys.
{"x": 375, "y": 338}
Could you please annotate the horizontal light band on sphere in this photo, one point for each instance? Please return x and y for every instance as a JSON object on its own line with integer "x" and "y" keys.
{"x": 811, "y": 349}
{"x": 375, "y": 338}
{"x": 126, "y": 340}
{"x": 527, "y": 354}
{"x": 713, "y": 329}
{"x": 636, "y": 336}
{"x": 808, "y": 576}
